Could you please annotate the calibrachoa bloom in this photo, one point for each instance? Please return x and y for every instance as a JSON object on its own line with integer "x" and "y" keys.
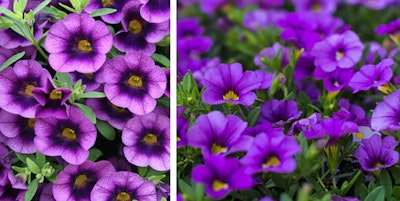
{"x": 133, "y": 81}
{"x": 17, "y": 84}
{"x": 155, "y": 11}
{"x": 113, "y": 18}
{"x": 78, "y": 43}
{"x": 146, "y": 140}
{"x": 76, "y": 182}
{"x": 386, "y": 115}
{"x": 229, "y": 84}
{"x": 124, "y": 186}
{"x": 216, "y": 134}
{"x": 338, "y": 51}
{"x": 376, "y": 153}
{"x": 279, "y": 112}
{"x": 137, "y": 33}
{"x": 69, "y": 138}
{"x": 221, "y": 175}
{"x": 372, "y": 4}
{"x": 272, "y": 52}
{"x": 372, "y": 76}
{"x": 271, "y": 153}
{"x": 336, "y": 80}
{"x": 318, "y": 6}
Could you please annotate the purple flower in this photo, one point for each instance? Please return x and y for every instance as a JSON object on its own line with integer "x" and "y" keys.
{"x": 271, "y": 153}
{"x": 228, "y": 83}
{"x": 87, "y": 79}
{"x": 221, "y": 175}
{"x": 392, "y": 28}
{"x": 318, "y": 6}
{"x": 155, "y": 11}
{"x": 14, "y": 189}
{"x": 19, "y": 132}
{"x": 351, "y": 112}
{"x": 364, "y": 132}
{"x": 69, "y": 138}
{"x": 146, "y": 140}
{"x": 133, "y": 81}
{"x": 10, "y": 39}
{"x": 372, "y": 76}
{"x": 279, "y": 112}
{"x": 216, "y": 134}
{"x": 261, "y": 19}
{"x": 336, "y": 198}
{"x": 304, "y": 67}
{"x": 386, "y": 115}
{"x": 113, "y": 18}
{"x": 304, "y": 124}
{"x": 378, "y": 5}
{"x": 123, "y": 186}
{"x": 338, "y": 51}
{"x": 334, "y": 128}
{"x": 138, "y": 35}
{"x": 209, "y": 7}
{"x": 272, "y": 52}
{"x": 78, "y": 42}
{"x": 76, "y": 182}
{"x": 182, "y": 126}
{"x": 17, "y": 84}
{"x": 264, "y": 4}
{"x": 376, "y": 153}
{"x": 264, "y": 127}
{"x": 336, "y": 80}
{"x": 375, "y": 49}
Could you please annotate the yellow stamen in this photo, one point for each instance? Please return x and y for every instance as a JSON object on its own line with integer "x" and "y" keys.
{"x": 89, "y": 76}
{"x": 69, "y": 134}
{"x": 231, "y": 95}
{"x": 219, "y": 185}
{"x": 273, "y": 161}
{"x": 178, "y": 139}
{"x": 80, "y": 180}
{"x": 31, "y": 122}
{"x": 378, "y": 164}
{"x": 84, "y": 46}
{"x": 386, "y": 89}
{"x": 339, "y": 55}
{"x": 28, "y": 90}
{"x": 106, "y": 3}
{"x": 316, "y": 7}
{"x": 135, "y": 81}
{"x": 55, "y": 95}
{"x": 118, "y": 109}
{"x": 216, "y": 149}
{"x": 135, "y": 27}
{"x": 150, "y": 139}
{"x": 359, "y": 135}
{"x": 123, "y": 196}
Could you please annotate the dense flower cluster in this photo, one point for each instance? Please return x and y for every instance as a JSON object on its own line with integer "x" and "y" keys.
{"x": 288, "y": 100}
{"x": 83, "y": 115}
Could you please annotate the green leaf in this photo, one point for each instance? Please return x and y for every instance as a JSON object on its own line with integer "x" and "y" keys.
{"x": 87, "y": 111}
{"x": 142, "y": 171}
{"x": 94, "y": 154}
{"x": 5, "y": 23}
{"x": 385, "y": 181}
{"x": 103, "y": 11}
{"x": 253, "y": 116}
{"x": 163, "y": 199}
{"x": 58, "y": 14}
{"x": 22, "y": 157}
{"x": 93, "y": 94}
{"x": 378, "y": 194}
{"x": 161, "y": 59}
{"x": 67, "y": 8}
{"x": 33, "y": 167}
{"x": 41, "y": 6}
{"x": 165, "y": 41}
{"x": 31, "y": 190}
{"x": 164, "y": 101}
{"x": 19, "y": 7}
{"x": 64, "y": 79}
{"x": 199, "y": 192}
{"x": 396, "y": 192}
{"x": 12, "y": 60}
{"x": 40, "y": 159}
{"x": 106, "y": 130}
{"x": 19, "y": 169}
{"x": 7, "y": 12}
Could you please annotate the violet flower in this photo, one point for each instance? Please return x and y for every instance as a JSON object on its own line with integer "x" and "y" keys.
{"x": 216, "y": 134}
{"x": 279, "y": 112}
{"x": 372, "y": 76}
{"x": 221, "y": 175}
{"x": 113, "y": 18}
{"x": 377, "y": 5}
{"x": 376, "y": 153}
{"x": 69, "y": 138}
{"x": 375, "y": 49}
{"x": 78, "y": 42}
{"x": 138, "y": 35}
{"x": 338, "y": 51}
{"x": 272, "y": 52}
{"x": 123, "y": 186}
{"x": 386, "y": 115}
{"x": 271, "y": 153}
{"x": 146, "y": 139}
{"x": 228, "y": 84}
{"x": 155, "y": 11}
{"x": 14, "y": 189}
{"x": 336, "y": 80}
{"x": 133, "y": 81}
{"x": 76, "y": 182}
{"x": 318, "y": 6}
{"x": 17, "y": 84}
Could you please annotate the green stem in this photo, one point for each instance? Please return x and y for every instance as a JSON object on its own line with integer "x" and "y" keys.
{"x": 41, "y": 51}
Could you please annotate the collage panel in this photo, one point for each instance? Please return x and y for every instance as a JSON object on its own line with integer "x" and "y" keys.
{"x": 85, "y": 100}
{"x": 288, "y": 100}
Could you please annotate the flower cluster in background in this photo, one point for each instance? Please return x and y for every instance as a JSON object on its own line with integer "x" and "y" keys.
{"x": 84, "y": 100}
{"x": 288, "y": 100}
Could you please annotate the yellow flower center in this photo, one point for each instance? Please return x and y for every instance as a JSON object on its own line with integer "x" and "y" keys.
{"x": 89, "y": 76}
{"x": 378, "y": 164}
{"x": 118, "y": 109}
{"x": 231, "y": 95}
{"x": 135, "y": 27}
{"x": 316, "y": 7}
{"x": 135, "y": 81}
{"x": 80, "y": 180}
{"x": 55, "y": 95}
{"x": 339, "y": 55}
{"x": 273, "y": 161}
{"x": 386, "y": 89}
{"x": 84, "y": 46}
{"x": 150, "y": 139}
{"x": 178, "y": 139}
{"x": 69, "y": 134}
{"x": 216, "y": 149}
{"x": 219, "y": 185}
{"x": 106, "y": 2}
{"x": 28, "y": 90}
{"x": 359, "y": 135}
{"x": 31, "y": 122}
{"x": 123, "y": 196}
